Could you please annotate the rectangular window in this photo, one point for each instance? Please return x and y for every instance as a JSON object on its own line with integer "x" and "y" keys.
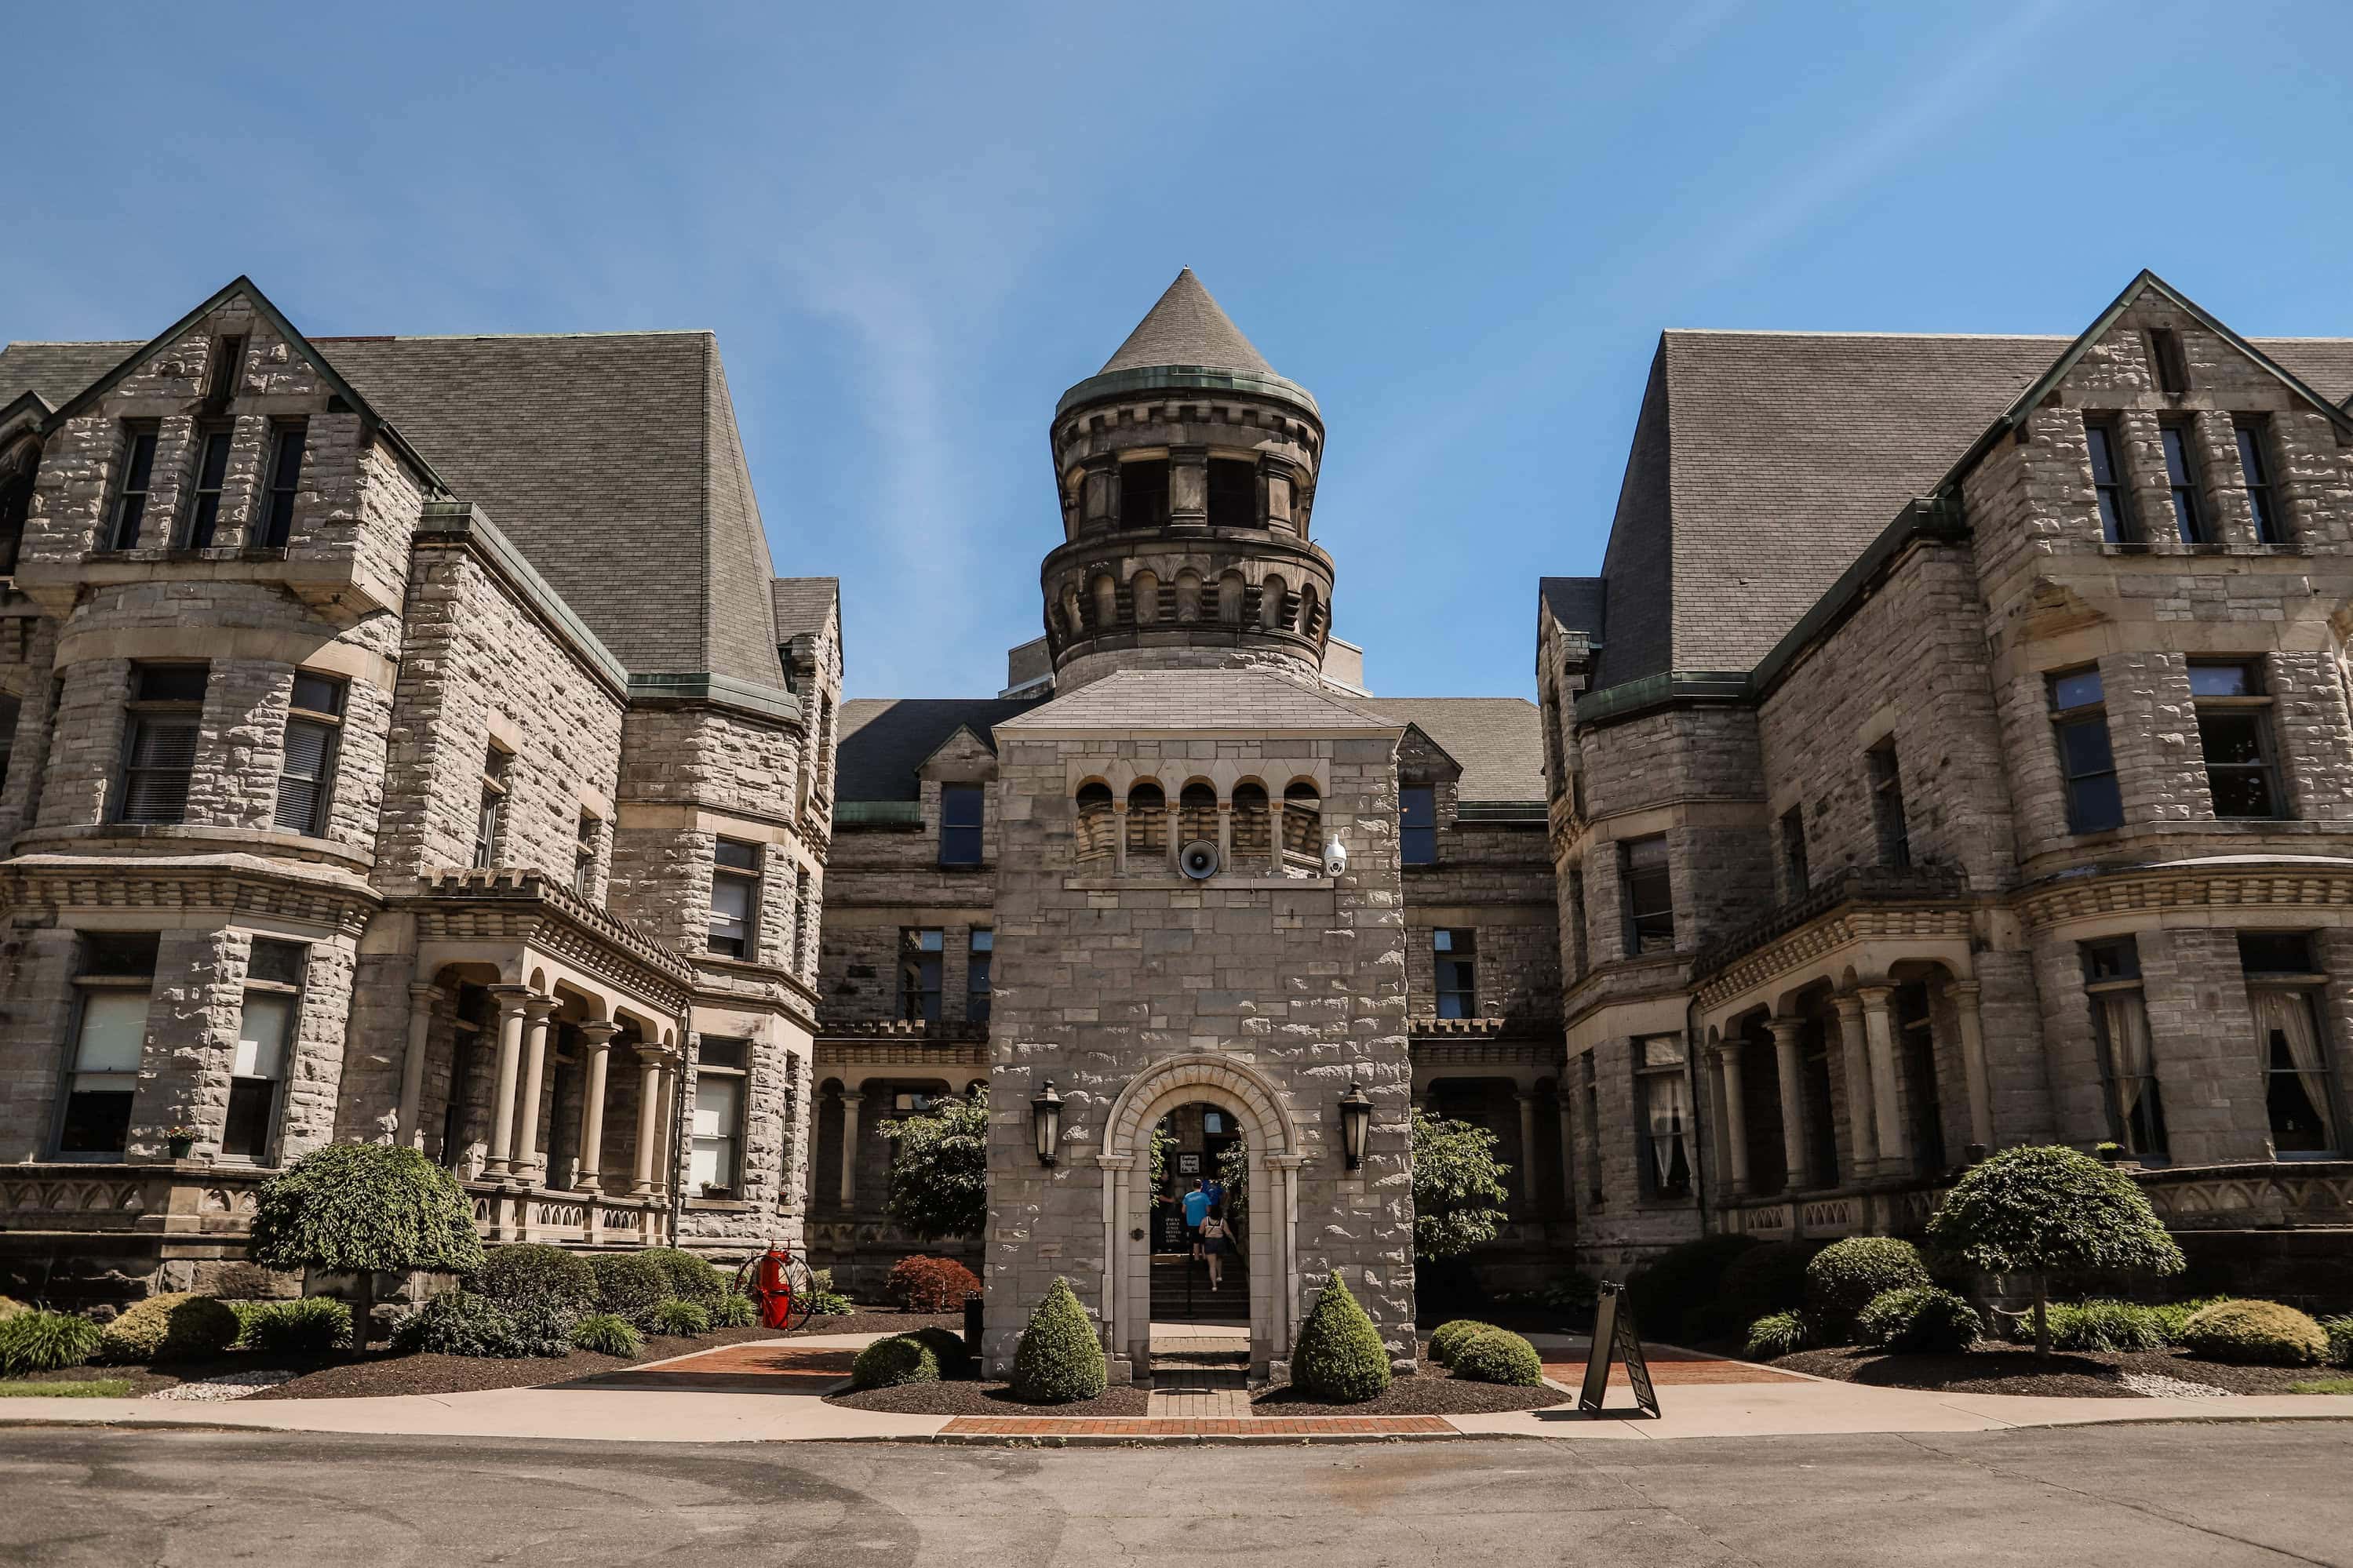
{"x": 2079, "y": 720}
{"x": 1650, "y": 895}
{"x": 159, "y": 743}
{"x": 1144, "y": 493}
{"x": 920, "y": 954}
{"x": 1577, "y": 948}
{"x": 2234, "y": 733}
{"x": 1664, "y": 1095}
{"x": 265, "y": 1032}
{"x": 306, "y": 782}
{"x": 1793, "y": 850}
{"x": 721, "y": 1074}
{"x": 1457, "y": 965}
{"x": 212, "y": 471}
{"x": 115, "y": 983}
{"x": 490, "y": 818}
{"x": 2172, "y": 366}
{"x": 221, "y": 372}
{"x": 1417, "y": 824}
{"x": 1233, "y": 494}
{"x": 1590, "y": 1099}
{"x": 735, "y": 897}
{"x": 2117, "y": 524}
{"x": 2120, "y": 1021}
{"x": 978, "y": 964}
{"x": 2299, "y": 1089}
{"x": 2256, "y": 470}
{"x": 2181, "y": 484}
{"x": 138, "y": 473}
{"x": 584, "y": 858}
{"x": 285, "y": 477}
{"x": 1887, "y": 807}
{"x": 960, "y": 810}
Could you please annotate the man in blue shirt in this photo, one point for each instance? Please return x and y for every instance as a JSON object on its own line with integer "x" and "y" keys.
{"x": 1197, "y": 1209}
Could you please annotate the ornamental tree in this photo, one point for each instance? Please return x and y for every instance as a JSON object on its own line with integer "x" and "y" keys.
{"x": 939, "y": 1169}
{"x": 363, "y": 1209}
{"x": 2049, "y": 1210}
{"x": 1458, "y": 1186}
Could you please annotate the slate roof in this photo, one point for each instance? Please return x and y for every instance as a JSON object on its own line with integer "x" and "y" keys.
{"x": 1499, "y": 741}
{"x": 1200, "y": 700}
{"x": 803, "y": 604}
{"x": 1576, "y": 603}
{"x": 885, "y": 738}
{"x": 1763, "y": 463}
{"x": 1187, "y": 327}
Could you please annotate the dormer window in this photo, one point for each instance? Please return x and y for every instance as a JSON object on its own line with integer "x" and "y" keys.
{"x": 2172, "y": 365}
{"x": 2181, "y": 484}
{"x": 1417, "y": 824}
{"x": 285, "y": 474}
{"x": 220, "y": 376}
{"x": 138, "y": 473}
{"x": 960, "y": 808}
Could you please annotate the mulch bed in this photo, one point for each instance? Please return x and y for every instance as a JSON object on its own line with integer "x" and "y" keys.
{"x": 966, "y": 1397}
{"x": 1432, "y": 1391}
{"x": 2009, "y": 1369}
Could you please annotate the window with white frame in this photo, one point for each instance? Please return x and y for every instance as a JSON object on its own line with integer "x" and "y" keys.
{"x": 1663, "y": 1091}
{"x": 2234, "y": 732}
{"x": 159, "y": 742}
{"x": 2284, "y": 981}
{"x": 490, "y": 817}
{"x": 2128, "y": 1060}
{"x": 722, "y": 1076}
{"x": 1455, "y": 960}
{"x": 265, "y": 1035}
{"x": 735, "y": 897}
{"x": 306, "y": 777}
{"x": 114, "y": 981}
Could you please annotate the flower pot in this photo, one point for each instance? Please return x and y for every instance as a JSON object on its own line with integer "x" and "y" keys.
{"x": 180, "y": 1148}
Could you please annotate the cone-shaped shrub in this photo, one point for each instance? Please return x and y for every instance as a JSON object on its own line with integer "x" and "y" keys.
{"x": 1339, "y": 1356}
{"x": 1059, "y": 1359}
{"x": 1448, "y": 1337}
{"x": 1501, "y": 1356}
{"x": 886, "y": 1364}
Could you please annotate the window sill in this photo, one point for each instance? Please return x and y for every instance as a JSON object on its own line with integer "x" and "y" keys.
{"x": 717, "y": 1206}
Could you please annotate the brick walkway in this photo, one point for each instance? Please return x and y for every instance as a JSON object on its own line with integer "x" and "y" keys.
{"x": 763, "y": 1366}
{"x": 1146, "y": 1426}
{"x": 1200, "y": 1392}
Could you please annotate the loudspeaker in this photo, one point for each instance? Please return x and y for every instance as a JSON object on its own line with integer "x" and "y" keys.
{"x": 1198, "y": 860}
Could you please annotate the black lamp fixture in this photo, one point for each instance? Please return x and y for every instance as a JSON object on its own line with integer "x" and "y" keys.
{"x": 1046, "y": 1122}
{"x": 1356, "y": 1123}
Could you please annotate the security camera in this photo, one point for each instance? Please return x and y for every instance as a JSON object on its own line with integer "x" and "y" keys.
{"x": 1335, "y": 856}
{"x": 1198, "y": 860}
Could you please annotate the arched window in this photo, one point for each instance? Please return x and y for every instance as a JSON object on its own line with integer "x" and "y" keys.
{"x": 1253, "y": 826}
{"x": 1106, "y": 602}
{"x": 1147, "y": 823}
{"x": 1307, "y": 609}
{"x": 1302, "y": 822}
{"x": 1197, "y": 814}
{"x": 1230, "y": 598}
{"x": 1188, "y": 596}
{"x": 1071, "y": 610}
{"x": 1144, "y": 588}
{"x": 1094, "y": 821}
{"x": 16, "y": 505}
{"x": 1270, "y": 603}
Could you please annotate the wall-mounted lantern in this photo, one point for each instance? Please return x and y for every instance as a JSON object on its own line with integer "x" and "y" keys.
{"x": 1355, "y": 1124}
{"x": 1046, "y": 1123}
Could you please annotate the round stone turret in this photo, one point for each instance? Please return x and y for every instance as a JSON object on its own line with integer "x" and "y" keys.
{"x": 1186, "y": 468}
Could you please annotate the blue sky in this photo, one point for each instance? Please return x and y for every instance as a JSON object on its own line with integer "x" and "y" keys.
{"x": 911, "y": 228}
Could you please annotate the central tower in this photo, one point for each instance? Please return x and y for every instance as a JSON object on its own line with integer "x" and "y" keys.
{"x": 1186, "y": 472}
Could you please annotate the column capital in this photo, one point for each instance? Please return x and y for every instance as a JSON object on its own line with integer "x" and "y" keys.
{"x": 1785, "y": 1027}
{"x": 1849, "y": 1005}
{"x": 1285, "y": 1162}
{"x": 853, "y": 1097}
{"x": 423, "y": 993}
{"x": 1964, "y": 990}
{"x": 539, "y": 1007}
{"x": 512, "y": 999}
{"x": 1116, "y": 1162}
{"x": 596, "y": 1034}
{"x": 1873, "y": 994}
{"x": 656, "y": 1055}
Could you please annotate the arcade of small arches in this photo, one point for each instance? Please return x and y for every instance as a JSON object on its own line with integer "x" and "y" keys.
{"x": 1269, "y": 605}
{"x": 1136, "y": 829}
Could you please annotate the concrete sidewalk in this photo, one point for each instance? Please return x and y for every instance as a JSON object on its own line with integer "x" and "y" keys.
{"x": 668, "y": 1407}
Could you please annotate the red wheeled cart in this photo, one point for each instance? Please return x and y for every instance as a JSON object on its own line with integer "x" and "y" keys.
{"x": 782, "y": 1284}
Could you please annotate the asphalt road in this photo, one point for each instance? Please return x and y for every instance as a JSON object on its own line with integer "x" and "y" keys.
{"x": 2213, "y": 1495}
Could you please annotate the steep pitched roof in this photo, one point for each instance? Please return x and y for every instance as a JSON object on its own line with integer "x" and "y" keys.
{"x": 1499, "y": 741}
{"x": 1576, "y": 603}
{"x": 884, "y": 740}
{"x": 803, "y": 604}
{"x": 1199, "y": 700}
{"x": 1187, "y": 327}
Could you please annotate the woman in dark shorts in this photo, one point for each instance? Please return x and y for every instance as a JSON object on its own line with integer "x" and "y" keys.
{"x": 1217, "y": 1243}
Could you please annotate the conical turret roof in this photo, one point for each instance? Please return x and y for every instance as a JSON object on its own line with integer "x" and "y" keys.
{"x": 1186, "y": 328}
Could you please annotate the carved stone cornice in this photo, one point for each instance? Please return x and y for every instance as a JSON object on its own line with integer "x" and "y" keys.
{"x": 2221, "y": 883}
{"x": 229, "y": 884}
{"x": 525, "y": 906}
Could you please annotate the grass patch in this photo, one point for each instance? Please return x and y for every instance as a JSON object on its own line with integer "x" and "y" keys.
{"x": 112, "y": 1388}
{"x": 2323, "y": 1386}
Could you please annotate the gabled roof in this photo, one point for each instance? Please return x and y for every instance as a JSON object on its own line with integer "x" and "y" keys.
{"x": 803, "y": 604}
{"x": 1498, "y": 741}
{"x": 1187, "y": 327}
{"x": 885, "y": 739}
{"x": 1198, "y": 700}
{"x": 1576, "y": 603}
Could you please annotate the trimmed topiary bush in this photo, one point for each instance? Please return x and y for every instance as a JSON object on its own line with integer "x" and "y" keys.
{"x": 1501, "y": 1356}
{"x": 1676, "y": 1295}
{"x": 2339, "y": 1333}
{"x": 1919, "y": 1320}
{"x": 680, "y": 1319}
{"x": 35, "y": 1341}
{"x": 947, "y": 1348}
{"x": 171, "y": 1326}
{"x": 529, "y": 1276}
{"x": 1339, "y": 1356}
{"x": 922, "y": 1284}
{"x": 631, "y": 1284}
{"x": 362, "y": 1209}
{"x": 458, "y": 1323}
{"x": 1059, "y": 1359}
{"x": 2256, "y": 1333}
{"x": 310, "y": 1323}
{"x": 1847, "y": 1276}
{"x": 691, "y": 1278}
{"x": 1448, "y": 1337}
{"x": 607, "y": 1333}
{"x": 886, "y": 1364}
{"x": 1777, "y": 1334}
{"x": 735, "y": 1312}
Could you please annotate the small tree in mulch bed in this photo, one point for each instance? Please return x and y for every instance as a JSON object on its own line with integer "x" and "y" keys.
{"x": 924, "y": 1284}
{"x": 1458, "y": 1188}
{"x": 1059, "y": 1359}
{"x": 1339, "y": 1356}
{"x": 363, "y": 1209}
{"x": 939, "y": 1170}
{"x": 2049, "y": 1210}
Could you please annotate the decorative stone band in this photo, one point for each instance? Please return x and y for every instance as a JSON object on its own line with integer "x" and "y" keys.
{"x": 910, "y": 1029}
{"x": 1440, "y": 1058}
{"x": 2233, "y": 881}
{"x": 225, "y": 884}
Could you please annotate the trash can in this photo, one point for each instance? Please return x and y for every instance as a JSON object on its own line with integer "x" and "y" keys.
{"x": 972, "y": 1324}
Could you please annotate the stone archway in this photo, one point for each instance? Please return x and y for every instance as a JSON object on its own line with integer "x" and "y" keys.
{"x": 1272, "y": 1136}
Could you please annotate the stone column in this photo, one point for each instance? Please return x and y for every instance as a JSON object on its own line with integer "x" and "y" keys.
{"x": 1116, "y": 1196}
{"x": 1789, "y": 1057}
{"x": 1861, "y": 1123}
{"x": 1527, "y": 1102}
{"x": 595, "y": 1046}
{"x": 1736, "y": 1121}
{"x": 850, "y": 1100}
{"x": 1226, "y": 832}
{"x": 513, "y": 1000}
{"x": 1568, "y": 1148}
{"x": 1973, "y": 1062}
{"x": 1189, "y": 491}
{"x": 1099, "y": 492}
{"x": 1119, "y": 835}
{"x": 422, "y": 995}
{"x": 649, "y": 1068}
{"x": 1879, "y": 1035}
{"x": 525, "y": 1165}
{"x": 666, "y": 1168}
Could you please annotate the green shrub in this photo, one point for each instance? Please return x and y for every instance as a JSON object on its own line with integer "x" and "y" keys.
{"x": 1339, "y": 1356}
{"x": 360, "y": 1207}
{"x": 2256, "y": 1333}
{"x": 1059, "y": 1359}
{"x": 1498, "y": 1356}
{"x": 1919, "y": 1320}
{"x": 735, "y": 1312}
{"x": 830, "y": 1304}
{"x": 458, "y": 1323}
{"x": 1846, "y": 1276}
{"x": 607, "y": 1333}
{"x": 1777, "y": 1334}
{"x": 310, "y": 1323}
{"x": 2176, "y": 1315}
{"x": 529, "y": 1276}
{"x": 171, "y": 1327}
{"x": 680, "y": 1319}
{"x": 886, "y": 1364}
{"x": 947, "y": 1348}
{"x": 1767, "y": 1278}
{"x": 1448, "y": 1337}
{"x": 2106, "y": 1325}
{"x": 631, "y": 1284}
{"x": 1672, "y": 1297}
{"x": 34, "y": 1341}
{"x": 691, "y": 1278}
{"x": 821, "y": 1280}
{"x": 2340, "y": 1340}
{"x": 924, "y": 1284}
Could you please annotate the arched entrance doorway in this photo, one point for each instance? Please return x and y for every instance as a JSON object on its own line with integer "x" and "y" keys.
{"x": 1254, "y": 1110}
{"x": 1200, "y": 1174}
